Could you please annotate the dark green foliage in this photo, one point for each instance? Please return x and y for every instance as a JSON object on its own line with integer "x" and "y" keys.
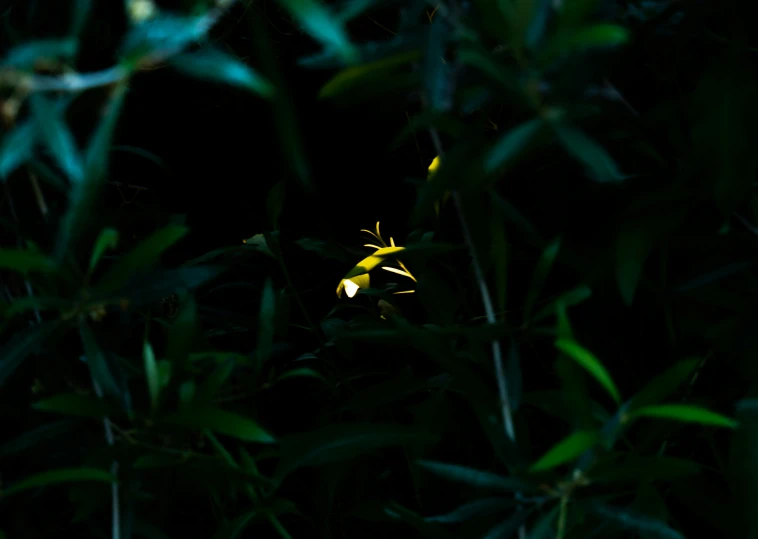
{"x": 497, "y": 281}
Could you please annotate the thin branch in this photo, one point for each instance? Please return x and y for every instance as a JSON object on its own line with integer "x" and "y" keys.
{"x": 115, "y": 498}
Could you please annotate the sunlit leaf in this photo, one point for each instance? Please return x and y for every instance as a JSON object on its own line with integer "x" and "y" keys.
{"x": 51, "y": 125}
{"x": 600, "y": 165}
{"x": 566, "y": 450}
{"x": 17, "y": 148}
{"x": 25, "y": 261}
{"x": 223, "y": 422}
{"x": 54, "y": 477}
{"x": 511, "y": 144}
{"x": 473, "y": 477}
{"x": 214, "y": 65}
{"x": 686, "y": 413}
{"x": 107, "y": 239}
{"x": 326, "y": 28}
{"x": 591, "y": 364}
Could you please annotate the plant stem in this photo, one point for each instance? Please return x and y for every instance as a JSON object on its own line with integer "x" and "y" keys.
{"x": 115, "y": 499}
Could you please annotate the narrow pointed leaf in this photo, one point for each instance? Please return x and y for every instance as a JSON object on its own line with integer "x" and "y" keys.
{"x": 17, "y": 148}
{"x": 73, "y": 404}
{"x": 591, "y": 364}
{"x": 686, "y": 413}
{"x": 472, "y": 476}
{"x": 56, "y": 135}
{"x": 566, "y": 450}
{"x": 64, "y": 475}
{"x": 21, "y": 345}
{"x": 600, "y": 165}
{"x": 475, "y": 509}
{"x": 214, "y": 65}
{"x": 223, "y": 422}
{"x": 107, "y": 239}
{"x": 152, "y": 376}
{"x": 540, "y": 274}
{"x": 326, "y": 28}
{"x": 25, "y": 261}
{"x": 511, "y": 144}
{"x": 665, "y": 384}
{"x": 266, "y": 324}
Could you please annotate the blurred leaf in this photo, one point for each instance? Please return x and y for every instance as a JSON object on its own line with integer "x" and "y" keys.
{"x": 473, "y": 477}
{"x": 475, "y": 509}
{"x": 632, "y": 520}
{"x": 79, "y": 12}
{"x": 368, "y": 52}
{"x": 437, "y": 87}
{"x": 337, "y": 443}
{"x": 633, "y": 247}
{"x": 266, "y": 324}
{"x": 107, "y": 239}
{"x": 213, "y": 383}
{"x": 17, "y": 148}
{"x": 104, "y": 370}
{"x": 54, "y": 477}
{"x": 591, "y": 364}
{"x": 511, "y": 144}
{"x": 27, "y": 55}
{"x": 427, "y": 119}
{"x": 544, "y": 527}
{"x": 144, "y": 255}
{"x": 686, "y": 413}
{"x": 316, "y": 19}
{"x": 635, "y": 469}
{"x": 259, "y": 243}
{"x": 664, "y": 384}
{"x": 21, "y": 345}
{"x": 156, "y": 285}
{"x": 540, "y": 275}
{"x": 587, "y": 37}
{"x": 51, "y": 125}
{"x": 351, "y": 77}
{"x": 600, "y": 165}
{"x": 162, "y": 36}
{"x": 74, "y": 404}
{"x": 151, "y": 375}
{"x": 86, "y": 193}
{"x": 25, "y": 261}
{"x": 566, "y": 450}
{"x": 514, "y": 378}
{"x": 300, "y": 373}
{"x": 576, "y": 12}
{"x": 222, "y": 422}
{"x": 509, "y": 526}
{"x": 484, "y": 62}
{"x": 182, "y": 333}
{"x": 215, "y": 65}
{"x": 275, "y": 203}
{"x": 36, "y": 437}
{"x": 714, "y": 276}
{"x": 568, "y": 299}
{"x": 233, "y": 529}
{"x": 499, "y": 250}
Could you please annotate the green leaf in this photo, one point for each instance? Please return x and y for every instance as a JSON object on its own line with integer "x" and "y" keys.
{"x": 104, "y": 370}
{"x": 544, "y": 528}
{"x": 636, "y": 469}
{"x": 181, "y": 334}
{"x": 79, "y": 12}
{"x": 214, "y": 65}
{"x": 152, "y": 375}
{"x": 223, "y": 422}
{"x": 25, "y": 261}
{"x": 437, "y": 86}
{"x": 664, "y": 384}
{"x": 302, "y": 372}
{"x": 159, "y": 284}
{"x": 568, "y": 299}
{"x": 591, "y": 364}
{"x": 600, "y": 165}
{"x": 234, "y": 528}
{"x": 566, "y": 450}
{"x": 632, "y": 520}
{"x": 86, "y": 193}
{"x": 316, "y": 19}
{"x": 540, "y": 275}
{"x": 337, "y": 443}
{"x": 36, "y": 438}
{"x": 107, "y": 239}
{"x": 351, "y": 77}
{"x": 686, "y": 413}
{"x": 52, "y": 127}
{"x": 21, "y": 345}
{"x": 17, "y": 148}
{"x": 476, "y": 509}
{"x": 54, "y": 477}
{"x": 215, "y": 381}
{"x": 73, "y": 404}
{"x": 266, "y": 324}
{"x": 162, "y": 36}
{"x": 511, "y": 144}
{"x": 598, "y": 35}
{"x": 473, "y": 477}
{"x": 144, "y": 255}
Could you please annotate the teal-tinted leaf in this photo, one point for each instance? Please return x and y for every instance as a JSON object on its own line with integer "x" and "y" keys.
{"x": 223, "y": 422}
{"x": 275, "y": 203}
{"x": 511, "y": 144}
{"x": 107, "y": 239}
{"x": 17, "y": 148}
{"x": 54, "y": 477}
{"x": 102, "y": 367}
{"x": 514, "y": 378}
{"x": 30, "y": 303}
{"x": 156, "y": 285}
{"x": 512, "y": 214}
{"x": 538, "y": 21}
{"x": 26, "y": 55}
{"x": 369, "y": 52}
{"x": 540, "y": 274}
{"x": 37, "y": 437}
{"x": 21, "y": 345}
{"x": 600, "y": 165}
{"x": 351, "y": 77}
{"x": 73, "y": 404}
{"x": 266, "y": 324}
{"x": 473, "y": 477}
{"x": 214, "y": 65}
{"x": 151, "y": 375}
{"x": 566, "y": 450}
{"x": 144, "y": 255}
{"x": 483, "y": 61}
{"x": 427, "y": 119}
{"x": 664, "y": 384}
{"x": 51, "y": 125}
{"x": 423, "y": 528}
{"x": 351, "y": 9}
{"x": 341, "y": 442}
{"x": 591, "y": 364}
{"x": 631, "y": 520}
{"x": 316, "y": 19}
{"x": 181, "y": 335}
{"x": 86, "y": 193}
{"x": 475, "y": 509}
{"x": 509, "y": 526}
{"x": 162, "y": 36}
{"x": 686, "y": 413}
{"x": 79, "y": 12}
{"x": 25, "y": 261}
{"x": 437, "y": 86}
{"x": 544, "y": 528}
